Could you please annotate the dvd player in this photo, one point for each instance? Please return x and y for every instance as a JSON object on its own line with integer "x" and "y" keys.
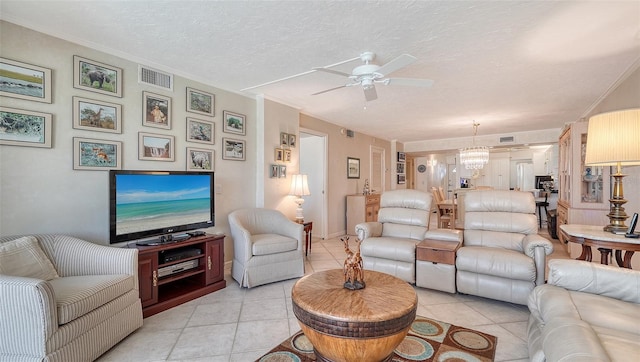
{"x": 178, "y": 254}
{"x": 177, "y": 268}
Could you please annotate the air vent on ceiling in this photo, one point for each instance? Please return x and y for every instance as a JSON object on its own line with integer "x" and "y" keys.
{"x": 508, "y": 139}
{"x": 350, "y": 133}
{"x": 155, "y": 78}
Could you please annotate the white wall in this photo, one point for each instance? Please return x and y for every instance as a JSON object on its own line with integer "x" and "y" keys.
{"x": 41, "y": 193}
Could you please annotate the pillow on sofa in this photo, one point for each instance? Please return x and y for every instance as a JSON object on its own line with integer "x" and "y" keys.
{"x": 23, "y": 257}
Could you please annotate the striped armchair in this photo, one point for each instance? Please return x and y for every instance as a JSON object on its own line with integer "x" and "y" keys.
{"x": 90, "y": 304}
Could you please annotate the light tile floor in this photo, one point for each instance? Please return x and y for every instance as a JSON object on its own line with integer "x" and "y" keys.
{"x": 237, "y": 324}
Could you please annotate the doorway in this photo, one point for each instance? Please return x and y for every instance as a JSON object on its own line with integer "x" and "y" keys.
{"x": 377, "y": 169}
{"x": 313, "y": 163}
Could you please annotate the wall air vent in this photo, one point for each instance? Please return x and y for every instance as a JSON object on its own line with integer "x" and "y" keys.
{"x": 350, "y": 133}
{"x": 508, "y": 139}
{"x": 155, "y": 78}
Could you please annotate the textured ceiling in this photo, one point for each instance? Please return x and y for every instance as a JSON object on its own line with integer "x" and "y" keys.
{"x": 510, "y": 65}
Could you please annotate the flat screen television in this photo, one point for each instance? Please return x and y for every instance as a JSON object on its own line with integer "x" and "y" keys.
{"x": 143, "y": 204}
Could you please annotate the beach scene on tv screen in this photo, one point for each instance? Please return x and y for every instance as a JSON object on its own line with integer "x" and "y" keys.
{"x": 150, "y": 202}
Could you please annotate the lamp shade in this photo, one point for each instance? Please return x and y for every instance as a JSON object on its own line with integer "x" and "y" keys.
{"x": 299, "y": 186}
{"x": 613, "y": 138}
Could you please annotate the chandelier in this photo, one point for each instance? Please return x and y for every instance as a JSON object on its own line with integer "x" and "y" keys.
{"x": 474, "y": 157}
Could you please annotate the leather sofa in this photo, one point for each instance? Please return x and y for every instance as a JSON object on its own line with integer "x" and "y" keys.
{"x": 586, "y": 312}
{"x": 267, "y": 247}
{"x": 389, "y": 244}
{"x": 502, "y": 257}
{"x": 65, "y": 299}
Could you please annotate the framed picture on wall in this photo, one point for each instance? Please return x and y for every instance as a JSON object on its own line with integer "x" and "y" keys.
{"x": 93, "y": 115}
{"x": 287, "y": 155}
{"x": 200, "y": 131}
{"x": 97, "y": 77}
{"x": 25, "y": 128}
{"x": 282, "y": 172}
{"x": 279, "y": 155}
{"x": 292, "y": 140}
{"x": 25, "y": 81}
{"x": 234, "y": 123}
{"x": 156, "y": 110}
{"x": 233, "y": 149}
{"x": 402, "y": 157}
{"x": 274, "y": 171}
{"x": 200, "y": 102}
{"x": 353, "y": 167}
{"x": 284, "y": 139}
{"x": 401, "y": 179}
{"x": 155, "y": 147}
{"x": 94, "y": 155}
{"x": 199, "y": 159}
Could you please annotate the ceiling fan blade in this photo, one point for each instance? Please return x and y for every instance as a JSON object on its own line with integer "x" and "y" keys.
{"x": 332, "y": 71}
{"x": 413, "y": 82}
{"x": 328, "y": 90}
{"x": 277, "y": 80}
{"x": 399, "y": 62}
{"x": 370, "y": 93}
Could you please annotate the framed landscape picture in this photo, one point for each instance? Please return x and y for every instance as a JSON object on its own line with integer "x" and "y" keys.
{"x": 200, "y": 102}
{"x": 25, "y": 81}
{"x": 234, "y": 123}
{"x": 93, "y": 115}
{"x": 200, "y": 131}
{"x": 90, "y": 154}
{"x": 200, "y": 159}
{"x": 156, "y": 110}
{"x": 25, "y": 128}
{"x": 97, "y": 77}
{"x": 233, "y": 149}
{"x": 353, "y": 167}
{"x": 156, "y": 147}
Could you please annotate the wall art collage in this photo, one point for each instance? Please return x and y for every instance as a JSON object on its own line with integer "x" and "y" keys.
{"x": 34, "y": 129}
{"x": 282, "y": 154}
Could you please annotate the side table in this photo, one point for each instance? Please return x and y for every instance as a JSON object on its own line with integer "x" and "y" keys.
{"x": 308, "y": 228}
{"x": 436, "y": 264}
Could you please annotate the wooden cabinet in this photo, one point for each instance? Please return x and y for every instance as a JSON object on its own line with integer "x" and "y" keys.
{"x": 160, "y": 291}
{"x": 361, "y": 208}
{"x": 583, "y": 190}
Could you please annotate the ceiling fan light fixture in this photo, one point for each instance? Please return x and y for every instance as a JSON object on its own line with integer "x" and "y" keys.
{"x": 475, "y": 157}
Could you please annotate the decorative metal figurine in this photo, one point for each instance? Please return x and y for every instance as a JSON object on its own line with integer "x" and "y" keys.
{"x": 353, "y": 271}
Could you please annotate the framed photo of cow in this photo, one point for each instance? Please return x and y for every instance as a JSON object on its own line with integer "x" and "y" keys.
{"x": 199, "y": 159}
{"x": 97, "y": 77}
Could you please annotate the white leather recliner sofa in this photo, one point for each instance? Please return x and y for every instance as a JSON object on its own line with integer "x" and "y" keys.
{"x": 389, "y": 244}
{"x": 65, "y": 299}
{"x": 502, "y": 257}
{"x": 267, "y": 247}
{"x": 586, "y": 312}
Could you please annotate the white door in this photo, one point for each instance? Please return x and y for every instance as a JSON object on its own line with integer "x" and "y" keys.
{"x": 313, "y": 163}
{"x": 377, "y": 169}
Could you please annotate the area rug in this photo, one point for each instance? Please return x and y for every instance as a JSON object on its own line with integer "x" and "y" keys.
{"x": 427, "y": 340}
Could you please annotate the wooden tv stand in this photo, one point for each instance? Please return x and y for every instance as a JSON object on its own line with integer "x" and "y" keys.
{"x": 161, "y": 293}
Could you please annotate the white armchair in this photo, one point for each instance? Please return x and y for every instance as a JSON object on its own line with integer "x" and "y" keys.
{"x": 389, "y": 245}
{"x": 65, "y": 299}
{"x": 503, "y": 257}
{"x": 267, "y": 247}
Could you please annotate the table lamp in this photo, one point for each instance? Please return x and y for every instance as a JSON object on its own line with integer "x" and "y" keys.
{"x": 299, "y": 188}
{"x": 613, "y": 139}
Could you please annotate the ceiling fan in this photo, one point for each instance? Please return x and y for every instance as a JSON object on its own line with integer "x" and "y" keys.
{"x": 368, "y": 74}
{"x": 365, "y": 75}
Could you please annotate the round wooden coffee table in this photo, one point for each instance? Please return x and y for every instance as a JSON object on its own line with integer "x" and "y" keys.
{"x": 354, "y": 325}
